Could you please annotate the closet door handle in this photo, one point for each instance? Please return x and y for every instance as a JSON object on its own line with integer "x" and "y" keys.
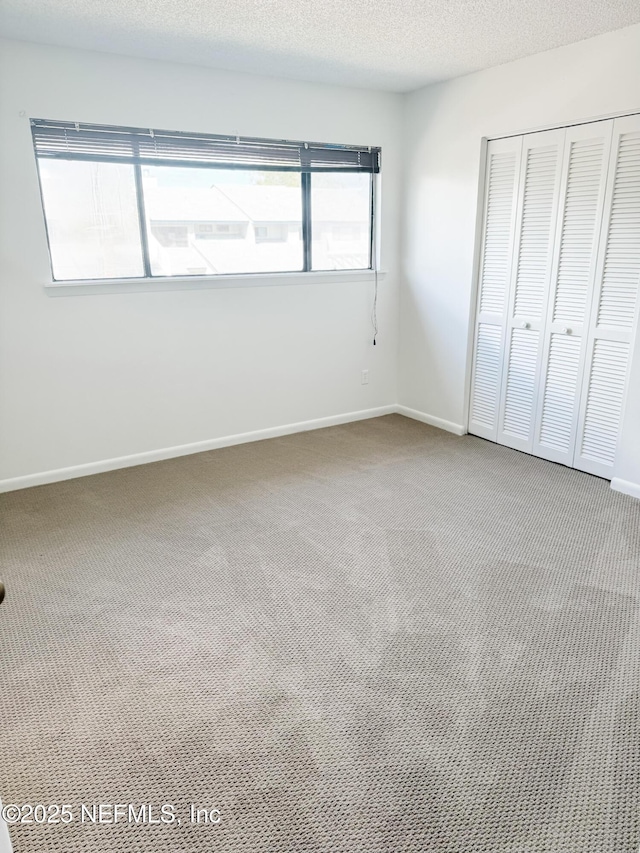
{"x": 526, "y": 325}
{"x": 1, "y": 592}
{"x": 566, "y": 331}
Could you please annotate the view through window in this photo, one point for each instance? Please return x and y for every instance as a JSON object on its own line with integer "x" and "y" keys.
{"x": 92, "y": 219}
{"x": 340, "y": 221}
{"x": 208, "y": 221}
{"x": 116, "y": 210}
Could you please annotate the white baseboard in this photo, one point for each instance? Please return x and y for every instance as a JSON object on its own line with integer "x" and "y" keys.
{"x": 626, "y": 487}
{"x": 59, "y": 474}
{"x": 449, "y": 426}
{"x": 55, "y": 476}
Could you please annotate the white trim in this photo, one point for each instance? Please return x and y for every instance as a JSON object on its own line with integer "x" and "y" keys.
{"x": 440, "y": 423}
{"x": 573, "y": 123}
{"x": 475, "y": 277}
{"x": 626, "y": 487}
{"x": 59, "y": 474}
{"x": 206, "y": 282}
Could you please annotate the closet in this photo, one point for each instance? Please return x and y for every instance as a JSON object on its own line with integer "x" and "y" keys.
{"x": 558, "y": 285}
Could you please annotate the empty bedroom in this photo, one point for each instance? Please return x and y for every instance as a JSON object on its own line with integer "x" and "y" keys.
{"x": 319, "y": 427}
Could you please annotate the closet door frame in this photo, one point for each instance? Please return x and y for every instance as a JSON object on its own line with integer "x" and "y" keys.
{"x": 632, "y": 338}
{"x": 571, "y": 328}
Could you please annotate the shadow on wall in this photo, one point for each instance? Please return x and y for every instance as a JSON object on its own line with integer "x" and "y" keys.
{"x": 438, "y": 247}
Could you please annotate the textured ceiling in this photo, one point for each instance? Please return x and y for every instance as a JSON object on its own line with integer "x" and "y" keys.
{"x": 398, "y": 45}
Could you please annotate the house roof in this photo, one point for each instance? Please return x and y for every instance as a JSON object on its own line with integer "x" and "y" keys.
{"x": 190, "y": 204}
{"x": 249, "y": 202}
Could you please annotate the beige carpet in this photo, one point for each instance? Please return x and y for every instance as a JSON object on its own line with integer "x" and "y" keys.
{"x": 375, "y": 638}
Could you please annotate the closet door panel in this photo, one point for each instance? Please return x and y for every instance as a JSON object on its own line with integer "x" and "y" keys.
{"x": 520, "y": 388}
{"x": 540, "y": 169}
{"x": 583, "y": 184}
{"x": 556, "y": 429}
{"x": 603, "y": 411}
{"x": 615, "y": 307}
{"x": 501, "y": 190}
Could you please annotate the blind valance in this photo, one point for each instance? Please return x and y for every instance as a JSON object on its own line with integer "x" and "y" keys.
{"x": 76, "y": 141}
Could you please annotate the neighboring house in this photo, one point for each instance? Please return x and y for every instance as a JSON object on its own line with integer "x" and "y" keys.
{"x": 251, "y": 228}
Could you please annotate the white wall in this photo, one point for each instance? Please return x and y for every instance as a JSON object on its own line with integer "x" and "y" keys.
{"x": 86, "y": 378}
{"x": 92, "y": 377}
{"x": 444, "y": 127}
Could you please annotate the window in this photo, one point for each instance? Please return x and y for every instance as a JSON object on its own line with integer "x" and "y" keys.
{"x": 92, "y": 219}
{"x": 214, "y": 210}
{"x": 138, "y": 203}
{"x": 340, "y": 221}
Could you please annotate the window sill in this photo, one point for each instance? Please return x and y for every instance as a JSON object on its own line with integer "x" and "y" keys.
{"x": 143, "y": 285}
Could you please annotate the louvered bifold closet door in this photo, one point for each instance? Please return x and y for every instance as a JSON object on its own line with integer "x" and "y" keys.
{"x": 583, "y": 184}
{"x": 537, "y": 208}
{"x": 615, "y": 306}
{"x": 501, "y": 192}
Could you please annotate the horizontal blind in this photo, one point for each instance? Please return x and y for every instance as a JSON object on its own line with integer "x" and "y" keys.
{"x": 70, "y": 140}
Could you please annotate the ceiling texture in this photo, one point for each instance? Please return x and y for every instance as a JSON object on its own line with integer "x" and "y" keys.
{"x": 394, "y": 45}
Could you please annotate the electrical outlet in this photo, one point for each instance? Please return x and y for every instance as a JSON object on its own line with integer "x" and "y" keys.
{"x": 365, "y": 377}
